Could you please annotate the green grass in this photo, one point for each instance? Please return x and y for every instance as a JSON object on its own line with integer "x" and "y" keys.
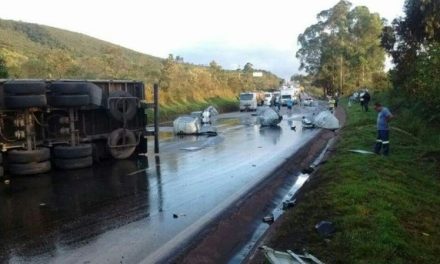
{"x": 386, "y": 209}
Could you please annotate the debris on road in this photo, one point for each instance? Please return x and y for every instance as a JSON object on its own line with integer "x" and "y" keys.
{"x": 198, "y": 123}
{"x": 289, "y": 204}
{"x": 325, "y": 228}
{"x": 288, "y": 257}
{"x": 360, "y": 151}
{"x": 269, "y": 219}
{"x": 326, "y": 120}
{"x": 269, "y": 117}
{"x": 307, "y": 123}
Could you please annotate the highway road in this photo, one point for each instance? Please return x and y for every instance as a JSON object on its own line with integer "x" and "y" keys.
{"x": 143, "y": 209}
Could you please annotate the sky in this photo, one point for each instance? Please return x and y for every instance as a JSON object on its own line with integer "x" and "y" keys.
{"x": 231, "y": 32}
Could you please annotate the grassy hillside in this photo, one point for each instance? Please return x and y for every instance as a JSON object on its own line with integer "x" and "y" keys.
{"x": 36, "y": 51}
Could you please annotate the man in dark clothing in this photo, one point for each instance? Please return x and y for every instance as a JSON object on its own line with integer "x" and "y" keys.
{"x": 366, "y": 97}
{"x": 383, "y": 118}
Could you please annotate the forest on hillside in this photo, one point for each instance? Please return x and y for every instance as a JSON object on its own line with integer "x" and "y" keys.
{"x": 35, "y": 51}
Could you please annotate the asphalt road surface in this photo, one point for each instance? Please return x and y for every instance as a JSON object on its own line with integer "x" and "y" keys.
{"x": 143, "y": 209}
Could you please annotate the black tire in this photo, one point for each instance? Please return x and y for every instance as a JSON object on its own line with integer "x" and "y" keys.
{"x": 72, "y": 164}
{"x": 69, "y": 88}
{"x": 69, "y": 100}
{"x": 25, "y": 101}
{"x": 116, "y": 138}
{"x": 1, "y": 158}
{"x": 29, "y": 168}
{"x": 72, "y": 152}
{"x": 28, "y": 156}
{"x": 25, "y": 88}
{"x": 2, "y": 171}
{"x": 116, "y": 106}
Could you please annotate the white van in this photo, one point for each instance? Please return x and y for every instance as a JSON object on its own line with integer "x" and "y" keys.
{"x": 248, "y": 102}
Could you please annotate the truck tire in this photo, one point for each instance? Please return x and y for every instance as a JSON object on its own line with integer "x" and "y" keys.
{"x": 116, "y": 138}
{"x": 69, "y": 88}
{"x": 2, "y": 171}
{"x": 25, "y": 101}
{"x": 72, "y": 152}
{"x": 29, "y": 168}
{"x": 71, "y": 164}
{"x": 28, "y": 156}
{"x": 24, "y": 87}
{"x": 116, "y": 106}
{"x": 76, "y": 100}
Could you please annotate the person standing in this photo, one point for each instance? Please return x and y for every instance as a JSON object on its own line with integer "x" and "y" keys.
{"x": 366, "y": 101}
{"x": 383, "y": 132}
{"x": 331, "y": 104}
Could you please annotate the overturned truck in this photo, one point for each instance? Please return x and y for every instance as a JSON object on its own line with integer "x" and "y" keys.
{"x": 69, "y": 124}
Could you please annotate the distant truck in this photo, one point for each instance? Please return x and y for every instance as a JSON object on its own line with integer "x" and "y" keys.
{"x": 69, "y": 123}
{"x": 286, "y": 95}
{"x": 248, "y": 101}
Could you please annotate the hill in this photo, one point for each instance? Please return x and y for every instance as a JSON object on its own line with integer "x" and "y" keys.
{"x": 37, "y": 51}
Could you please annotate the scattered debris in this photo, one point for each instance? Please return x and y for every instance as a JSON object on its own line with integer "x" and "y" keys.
{"x": 307, "y": 123}
{"x": 289, "y": 204}
{"x": 7, "y": 182}
{"x": 191, "y": 148}
{"x": 308, "y": 170}
{"x": 269, "y": 117}
{"x": 293, "y": 128}
{"x": 197, "y": 123}
{"x": 360, "y": 151}
{"x": 42, "y": 204}
{"x": 325, "y": 228}
{"x": 326, "y": 120}
{"x": 178, "y": 215}
{"x": 269, "y": 219}
{"x": 288, "y": 257}
{"x": 253, "y": 165}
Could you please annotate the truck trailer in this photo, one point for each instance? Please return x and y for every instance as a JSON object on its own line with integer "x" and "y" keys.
{"x": 69, "y": 124}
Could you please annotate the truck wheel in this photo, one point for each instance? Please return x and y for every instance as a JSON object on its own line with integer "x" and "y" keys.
{"x": 116, "y": 141}
{"x": 76, "y": 163}
{"x": 69, "y": 88}
{"x": 25, "y": 101}
{"x": 24, "y": 88}
{"x": 29, "y": 168}
{"x": 71, "y": 152}
{"x": 28, "y": 156}
{"x": 116, "y": 106}
{"x": 69, "y": 100}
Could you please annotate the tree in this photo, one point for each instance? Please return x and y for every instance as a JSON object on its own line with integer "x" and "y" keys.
{"x": 3, "y": 69}
{"x": 342, "y": 50}
{"x": 414, "y": 43}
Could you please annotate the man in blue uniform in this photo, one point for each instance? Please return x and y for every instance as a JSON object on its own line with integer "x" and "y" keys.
{"x": 383, "y": 118}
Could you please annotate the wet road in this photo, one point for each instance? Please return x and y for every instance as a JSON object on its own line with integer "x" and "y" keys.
{"x": 140, "y": 210}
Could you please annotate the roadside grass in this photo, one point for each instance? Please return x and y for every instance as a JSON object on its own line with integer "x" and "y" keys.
{"x": 386, "y": 209}
{"x": 171, "y": 111}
